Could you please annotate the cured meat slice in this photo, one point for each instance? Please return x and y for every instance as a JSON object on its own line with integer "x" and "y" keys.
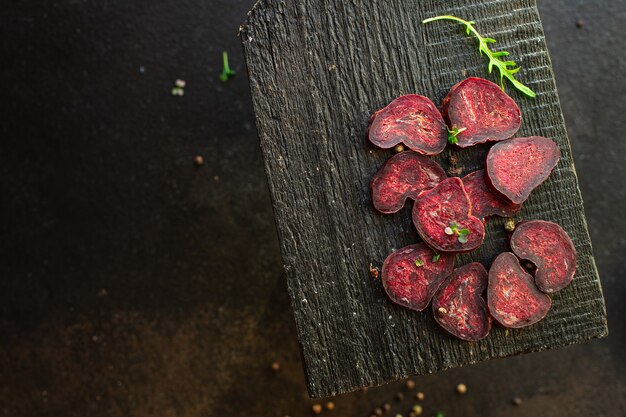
{"x": 512, "y": 296}
{"x": 481, "y": 112}
{"x": 443, "y": 218}
{"x": 413, "y": 120}
{"x": 549, "y": 247}
{"x": 485, "y": 202}
{"x": 459, "y": 307}
{"x": 517, "y": 166}
{"x": 403, "y": 176}
{"x": 412, "y": 275}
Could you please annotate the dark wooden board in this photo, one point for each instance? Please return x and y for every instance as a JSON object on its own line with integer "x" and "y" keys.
{"x": 317, "y": 71}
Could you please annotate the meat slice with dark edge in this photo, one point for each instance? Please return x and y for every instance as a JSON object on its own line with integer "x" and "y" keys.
{"x": 485, "y": 202}
{"x": 459, "y": 306}
{"x": 403, "y": 176}
{"x": 413, "y": 120}
{"x": 549, "y": 247}
{"x": 412, "y": 275}
{"x": 481, "y": 111}
{"x": 517, "y": 166}
{"x": 512, "y": 296}
{"x": 443, "y": 218}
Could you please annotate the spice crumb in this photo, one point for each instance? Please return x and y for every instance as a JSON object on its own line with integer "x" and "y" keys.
{"x": 509, "y": 225}
{"x": 386, "y": 406}
{"x": 461, "y": 388}
{"x": 410, "y": 384}
{"x": 317, "y": 408}
{"x": 330, "y": 405}
{"x": 399, "y": 148}
{"x": 580, "y": 23}
{"x": 400, "y": 396}
{"x": 374, "y": 271}
{"x": 198, "y": 160}
{"x": 420, "y": 396}
{"x": 442, "y": 311}
{"x": 517, "y": 401}
{"x": 275, "y": 367}
{"x": 417, "y": 409}
{"x": 378, "y": 412}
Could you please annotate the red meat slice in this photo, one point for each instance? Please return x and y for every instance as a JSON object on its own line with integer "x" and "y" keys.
{"x": 517, "y": 166}
{"x": 549, "y": 247}
{"x": 484, "y": 202}
{"x": 412, "y": 275}
{"x": 403, "y": 176}
{"x": 459, "y": 306}
{"x": 512, "y": 296}
{"x": 413, "y": 120}
{"x": 481, "y": 111}
{"x": 443, "y": 218}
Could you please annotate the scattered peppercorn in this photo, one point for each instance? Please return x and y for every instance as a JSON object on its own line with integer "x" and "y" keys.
{"x": 317, "y": 408}
{"x": 275, "y": 367}
{"x": 442, "y": 311}
{"x": 461, "y": 388}
{"x": 330, "y": 405}
{"x": 410, "y": 384}
{"x": 199, "y": 160}
{"x": 517, "y": 401}
{"x": 399, "y": 396}
{"x": 412, "y": 414}
{"x": 509, "y": 225}
{"x": 386, "y": 406}
{"x": 417, "y": 409}
{"x": 580, "y": 23}
{"x": 378, "y": 411}
{"x": 399, "y": 148}
{"x": 420, "y": 396}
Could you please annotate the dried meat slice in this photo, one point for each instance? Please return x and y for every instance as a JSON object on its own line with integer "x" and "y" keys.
{"x": 459, "y": 307}
{"x": 517, "y": 166}
{"x": 549, "y": 247}
{"x": 403, "y": 176}
{"x": 413, "y": 120}
{"x": 512, "y": 297}
{"x": 443, "y": 218}
{"x": 481, "y": 112}
{"x": 412, "y": 275}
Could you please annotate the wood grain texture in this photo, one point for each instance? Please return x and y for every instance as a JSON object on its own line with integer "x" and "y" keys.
{"x": 318, "y": 69}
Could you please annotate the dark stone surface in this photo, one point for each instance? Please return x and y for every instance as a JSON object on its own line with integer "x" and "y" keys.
{"x": 135, "y": 283}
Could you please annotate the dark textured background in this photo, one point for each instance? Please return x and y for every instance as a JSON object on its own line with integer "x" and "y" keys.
{"x": 133, "y": 283}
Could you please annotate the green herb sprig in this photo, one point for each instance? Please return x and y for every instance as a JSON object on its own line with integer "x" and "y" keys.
{"x": 419, "y": 263}
{"x": 226, "y": 71}
{"x": 507, "y": 69}
{"x": 453, "y": 133}
{"x": 453, "y": 229}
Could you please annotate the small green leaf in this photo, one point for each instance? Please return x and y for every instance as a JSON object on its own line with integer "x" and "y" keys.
{"x": 464, "y": 232}
{"x": 436, "y": 257}
{"x": 462, "y": 239}
{"x": 419, "y": 263}
{"x": 453, "y": 225}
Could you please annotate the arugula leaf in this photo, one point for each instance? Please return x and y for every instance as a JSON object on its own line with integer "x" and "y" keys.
{"x": 507, "y": 69}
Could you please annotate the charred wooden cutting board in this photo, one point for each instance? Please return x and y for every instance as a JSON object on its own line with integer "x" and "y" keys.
{"x": 318, "y": 69}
